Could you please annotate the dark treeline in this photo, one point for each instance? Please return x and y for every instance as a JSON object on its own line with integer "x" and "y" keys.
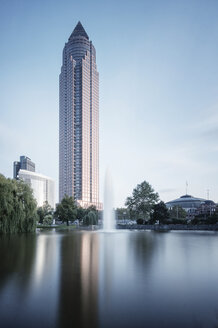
{"x": 17, "y": 207}
{"x": 68, "y": 210}
{"x": 144, "y": 207}
{"x": 19, "y": 213}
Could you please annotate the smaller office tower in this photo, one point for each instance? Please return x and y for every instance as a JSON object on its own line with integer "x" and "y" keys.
{"x": 25, "y": 163}
{"x": 43, "y": 187}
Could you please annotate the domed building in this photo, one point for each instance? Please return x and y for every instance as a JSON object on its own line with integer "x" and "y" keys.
{"x": 192, "y": 204}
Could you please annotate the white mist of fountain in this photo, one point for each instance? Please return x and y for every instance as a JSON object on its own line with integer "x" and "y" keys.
{"x": 108, "y": 214}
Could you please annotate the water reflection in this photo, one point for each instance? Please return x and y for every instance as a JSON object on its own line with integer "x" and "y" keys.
{"x": 16, "y": 268}
{"x": 122, "y": 279}
{"x": 16, "y": 258}
{"x": 28, "y": 277}
{"x": 78, "y": 299}
{"x": 125, "y": 257}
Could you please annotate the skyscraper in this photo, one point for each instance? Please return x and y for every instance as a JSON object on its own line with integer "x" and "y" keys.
{"x": 25, "y": 163}
{"x": 78, "y": 120}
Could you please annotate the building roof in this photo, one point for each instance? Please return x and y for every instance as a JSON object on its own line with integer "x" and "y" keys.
{"x": 79, "y": 31}
{"x": 34, "y": 174}
{"x": 189, "y": 198}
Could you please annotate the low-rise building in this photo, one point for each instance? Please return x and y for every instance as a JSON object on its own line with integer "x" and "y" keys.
{"x": 193, "y": 205}
{"x": 43, "y": 186}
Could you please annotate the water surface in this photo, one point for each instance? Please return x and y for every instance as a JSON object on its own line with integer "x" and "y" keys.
{"x": 118, "y": 279}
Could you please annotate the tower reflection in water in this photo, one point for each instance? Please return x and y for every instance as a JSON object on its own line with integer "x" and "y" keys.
{"x": 78, "y": 297}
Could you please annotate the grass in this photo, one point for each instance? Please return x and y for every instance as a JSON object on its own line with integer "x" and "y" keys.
{"x": 65, "y": 227}
{"x": 41, "y": 226}
{"x": 58, "y": 227}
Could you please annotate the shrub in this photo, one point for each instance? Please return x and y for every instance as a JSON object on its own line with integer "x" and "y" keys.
{"x": 48, "y": 219}
{"x": 139, "y": 221}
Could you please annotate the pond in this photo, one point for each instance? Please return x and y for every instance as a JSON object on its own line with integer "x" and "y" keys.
{"x": 117, "y": 279}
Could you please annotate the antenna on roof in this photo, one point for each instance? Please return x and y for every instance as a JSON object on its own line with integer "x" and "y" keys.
{"x": 186, "y": 188}
{"x": 208, "y": 193}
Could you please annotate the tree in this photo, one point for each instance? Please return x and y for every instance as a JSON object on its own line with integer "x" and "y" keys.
{"x": 81, "y": 212}
{"x": 140, "y": 221}
{"x": 17, "y": 207}
{"x": 44, "y": 211}
{"x": 92, "y": 208}
{"x": 93, "y": 214}
{"x": 88, "y": 215}
{"x": 213, "y": 219}
{"x": 67, "y": 210}
{"x": 91, "y": 218}
{"x": 141, "y": 202}
{"x": 29, "y": 205}
{"x": 177, "y": 212}
{"x": 160, "y": 213}
{"x": 122, "y": 213}
{"x": 48, "y": 219}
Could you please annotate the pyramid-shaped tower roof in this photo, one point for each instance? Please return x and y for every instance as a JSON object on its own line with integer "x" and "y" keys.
{"x": 79, "y": 31}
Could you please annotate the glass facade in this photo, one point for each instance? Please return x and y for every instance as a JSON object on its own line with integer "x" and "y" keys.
{"x": 43, "y": 187}
{"x": 78, "y": 120}
{"x": 25, "y": 163}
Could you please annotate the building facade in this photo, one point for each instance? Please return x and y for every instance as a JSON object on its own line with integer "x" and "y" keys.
{"x": 43, "y": 186}
{"x": 192, "y": 205}
{"x": 79, "y": 121}
{"x": 25, "y": 163}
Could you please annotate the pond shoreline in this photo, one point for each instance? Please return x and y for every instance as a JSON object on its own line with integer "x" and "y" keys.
{"x": 155, "y": 227}
{"x": 168, "y": 227}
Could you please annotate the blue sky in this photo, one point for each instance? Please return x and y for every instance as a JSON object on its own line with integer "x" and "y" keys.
{"x": 158, "y": 69}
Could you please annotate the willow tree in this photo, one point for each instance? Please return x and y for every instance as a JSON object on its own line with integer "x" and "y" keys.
{"x": 91, "y": 218}
{"x": 17, "y": 207}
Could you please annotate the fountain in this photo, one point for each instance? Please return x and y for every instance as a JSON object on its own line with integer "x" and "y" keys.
{"x": 108, "y": 214}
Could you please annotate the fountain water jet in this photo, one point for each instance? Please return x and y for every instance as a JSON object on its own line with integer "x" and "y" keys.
{"x": 108, "y": 214}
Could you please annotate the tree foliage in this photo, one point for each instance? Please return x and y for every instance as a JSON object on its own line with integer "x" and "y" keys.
{"x": 81, "y": 213}
{"x": 67, "y": 210}
{"x": 17, "y": 207}
{"x": 89, "y": 215}
{"x": 48, "y": 219}
{"x": 160, "y": 213}
{"x": 177, "y": 212}
{"x": 140, "y": 221}
{"x": 141, "y": 202}
{"x": 213, "y": 219}
{"x": 44, "y": 211}
{"x": 122, "y": 213}
{"x": 90, "y": 219}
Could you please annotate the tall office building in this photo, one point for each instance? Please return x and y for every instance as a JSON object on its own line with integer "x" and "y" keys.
{"x": 78, "y": 120}
{"x": 25, "y": 163}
